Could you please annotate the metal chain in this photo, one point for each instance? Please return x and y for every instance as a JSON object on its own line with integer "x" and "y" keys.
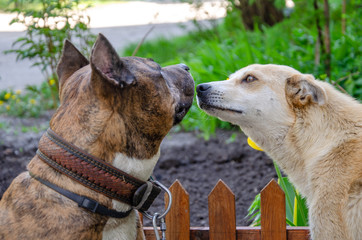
{"x": 160, "y": 217}
{"x": 162, "y": 227}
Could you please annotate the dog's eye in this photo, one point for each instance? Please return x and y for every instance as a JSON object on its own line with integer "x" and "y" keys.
{"x": 249, "y": 79}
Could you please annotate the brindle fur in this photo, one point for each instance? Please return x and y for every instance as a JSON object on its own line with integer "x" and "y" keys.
{"x": 108, "y": 106}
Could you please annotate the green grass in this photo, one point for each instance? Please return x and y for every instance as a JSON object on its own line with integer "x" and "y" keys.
{"x": 32, "y": 102}
{"x": 3, "y": 125}
{"x": 296, "y": 206}
{"x": 215, "y": 54}
{"x": 35, "y": 129}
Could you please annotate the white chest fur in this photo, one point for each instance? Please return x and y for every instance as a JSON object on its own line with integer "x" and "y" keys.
{"x": 125, "y": 229}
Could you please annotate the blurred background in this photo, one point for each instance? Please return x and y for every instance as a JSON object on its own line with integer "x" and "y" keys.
{"x": 215, "y": 38}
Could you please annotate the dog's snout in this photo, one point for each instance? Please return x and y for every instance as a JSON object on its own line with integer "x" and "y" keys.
{"x": 184, "y": 66}
{"x": 203, "y": 89}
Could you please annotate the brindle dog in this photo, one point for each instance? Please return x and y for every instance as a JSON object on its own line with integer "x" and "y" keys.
{"x": 116, "y": 109}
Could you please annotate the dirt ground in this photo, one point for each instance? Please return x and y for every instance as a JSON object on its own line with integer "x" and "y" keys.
{"x": 196, "y": 163}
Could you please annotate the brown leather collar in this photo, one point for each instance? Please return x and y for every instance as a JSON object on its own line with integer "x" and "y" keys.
{"x": 95, "y": 173}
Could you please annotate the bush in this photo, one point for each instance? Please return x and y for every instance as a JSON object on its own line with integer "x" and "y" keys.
{"x": 48, "y": 24}
{"x": 229, "y": 47}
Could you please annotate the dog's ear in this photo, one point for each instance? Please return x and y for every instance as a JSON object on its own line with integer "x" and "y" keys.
{"x": 106, "y": 64}
{"x": 301, "y": 90}
{"x": 70, "y": 61}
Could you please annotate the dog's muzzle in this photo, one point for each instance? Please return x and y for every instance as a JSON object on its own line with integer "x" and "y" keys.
{"x": 182, "y": 87}
{"x": 203, "y": 90}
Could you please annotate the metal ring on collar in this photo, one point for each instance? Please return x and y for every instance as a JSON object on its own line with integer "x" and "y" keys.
{"x": 159, "y": 216}
{"x": 147, "y": 188}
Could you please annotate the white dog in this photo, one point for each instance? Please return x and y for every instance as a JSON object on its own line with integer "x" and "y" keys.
{"x": 311, "y": 130}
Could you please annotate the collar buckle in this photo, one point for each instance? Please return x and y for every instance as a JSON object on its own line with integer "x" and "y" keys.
{"x": 89, "y": 204}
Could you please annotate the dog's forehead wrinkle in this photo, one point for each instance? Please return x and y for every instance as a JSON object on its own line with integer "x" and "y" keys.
{"x": 140, "y": 64}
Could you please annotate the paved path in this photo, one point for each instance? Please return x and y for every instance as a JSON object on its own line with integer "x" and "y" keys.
{"x": 121, "y": 23}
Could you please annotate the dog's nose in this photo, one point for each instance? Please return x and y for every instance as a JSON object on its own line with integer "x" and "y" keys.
{"x": 184, "y": 66}
{"x": 202, "y": 89}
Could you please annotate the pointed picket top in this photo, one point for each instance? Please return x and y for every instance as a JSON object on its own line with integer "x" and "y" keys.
{"x": 222, "y": 219}
{"x": 221, "y": 186}
{"x": 272, "y": 187}
{"x": 177, "y": 186}
{"x": 273, "y": 215}
{"x": 178, "y": 192}
{"x": 178, "y": 218}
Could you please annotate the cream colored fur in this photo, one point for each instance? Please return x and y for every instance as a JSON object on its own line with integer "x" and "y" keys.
{"x": 126, "y": 228}
{"x": 312, "y": 131}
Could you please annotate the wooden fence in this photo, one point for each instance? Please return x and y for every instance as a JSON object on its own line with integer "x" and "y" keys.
{"x": 222, "y": 219}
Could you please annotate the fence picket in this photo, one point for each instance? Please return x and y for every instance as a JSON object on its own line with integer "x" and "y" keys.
{"x": 178, "y": 219}
{"x": 222, "y": 218}
{"x": 272, "y": 206}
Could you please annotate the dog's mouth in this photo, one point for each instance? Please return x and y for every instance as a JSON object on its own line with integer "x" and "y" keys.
{"x": 207, "y": 107}
{"x": 180, "y": 112}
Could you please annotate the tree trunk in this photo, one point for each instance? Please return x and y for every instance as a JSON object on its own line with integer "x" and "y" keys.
{"x": 323, "y": 40}
{"x": 327, "y": 39}
{"x": 319, "y": 42}
{"x": 259, "y": 13}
